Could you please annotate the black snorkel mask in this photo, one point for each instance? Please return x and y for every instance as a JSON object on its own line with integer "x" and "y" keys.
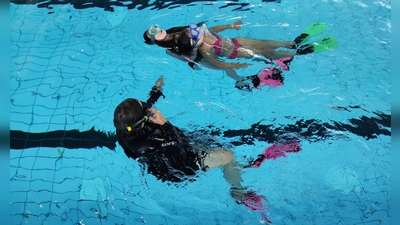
{"x": 155, "y": 94}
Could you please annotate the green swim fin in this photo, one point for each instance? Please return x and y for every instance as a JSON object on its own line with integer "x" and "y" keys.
{"x": 325, "y": 44}
{"x": 311, "y": 31}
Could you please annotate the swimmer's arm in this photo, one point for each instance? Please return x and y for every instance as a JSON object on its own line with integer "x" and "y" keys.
{"x": 158, "y": 118}
{"x": 220, "y": 28}
{"x": 180, "y": 57}
{"x": 219, "y": 64}
{"x": 236, "y": 25}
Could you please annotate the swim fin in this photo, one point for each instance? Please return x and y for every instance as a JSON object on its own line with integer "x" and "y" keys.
{"x": 275, "y": 151}
{"x": 311, "y": 31}
{"x": 325, "y": 44}
{"x": 267, "y": 76}
{"x": 251, "y": 200}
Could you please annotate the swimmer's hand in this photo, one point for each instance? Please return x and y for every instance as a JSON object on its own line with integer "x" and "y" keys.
{"x": 159, "y": 83}
{"x": 240, "y": 65}
{"x": 237, "y": 25}
{"x": 156, "y": 117}
{"x": 194, "y": 66}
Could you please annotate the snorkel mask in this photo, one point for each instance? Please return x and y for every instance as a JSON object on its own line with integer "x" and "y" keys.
{"x": 153, "y": 31}
{"x": 195, "y": 33}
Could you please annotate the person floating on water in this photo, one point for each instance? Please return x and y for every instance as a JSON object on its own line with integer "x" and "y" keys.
{"x": 211, "y": 46}
{"x": 168, "y": 154}
{"x": 169, "y": 39}
{"x": 189, "y": 42}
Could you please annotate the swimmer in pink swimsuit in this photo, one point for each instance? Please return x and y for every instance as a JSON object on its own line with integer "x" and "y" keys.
{"x": 218, "y": 46}
{"x": 212, "y": 46}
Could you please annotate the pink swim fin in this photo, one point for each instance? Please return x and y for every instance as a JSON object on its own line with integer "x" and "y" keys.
{"x": 271, "y": 76}
{"x": 283, "y": 63}
{"x": 275, "y": 151}
{"x": 267, "y": 76}
{"x": 254, "y": 202}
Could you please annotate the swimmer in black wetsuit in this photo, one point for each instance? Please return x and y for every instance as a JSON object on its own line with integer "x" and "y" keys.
{"x": 146, "y": 136}
{"x": 169, "y": 155}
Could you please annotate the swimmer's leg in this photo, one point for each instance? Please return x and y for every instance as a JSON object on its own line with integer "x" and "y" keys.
{"x": 272, "y": 54}
{"x": 271, "y": 44}
{"x": 232, "y": 169}
{"x": 232, "y": 174}
{"x": 232, "y": 74}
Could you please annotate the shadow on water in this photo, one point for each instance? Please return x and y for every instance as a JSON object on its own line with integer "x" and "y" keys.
{"x": 135, "y": 4}
{"x": 312, "y": 130}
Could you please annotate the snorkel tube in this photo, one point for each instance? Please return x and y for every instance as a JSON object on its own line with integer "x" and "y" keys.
{"x": 155, "y": 94}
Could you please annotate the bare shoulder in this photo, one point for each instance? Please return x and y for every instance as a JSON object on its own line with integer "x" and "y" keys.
{"x": 204, "y": 48}
{"x": 209, "y": 39}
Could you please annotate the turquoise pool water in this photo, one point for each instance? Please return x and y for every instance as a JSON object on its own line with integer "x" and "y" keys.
{"x": 71, "y": 67}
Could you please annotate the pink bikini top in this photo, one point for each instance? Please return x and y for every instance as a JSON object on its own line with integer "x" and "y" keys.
{"x": 218, "y": 44}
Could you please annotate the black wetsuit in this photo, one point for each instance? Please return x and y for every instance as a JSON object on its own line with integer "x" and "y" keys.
{"x": 165, "y": 150}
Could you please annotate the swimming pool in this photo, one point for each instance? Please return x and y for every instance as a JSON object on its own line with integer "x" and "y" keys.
{"x": 71, "y": 66}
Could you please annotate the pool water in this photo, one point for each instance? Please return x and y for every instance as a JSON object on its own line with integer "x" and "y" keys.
{"x": 72, "y": 64}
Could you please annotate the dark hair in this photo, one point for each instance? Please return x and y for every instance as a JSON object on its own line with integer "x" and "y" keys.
{"x": 146, "y": 38}
{"x": 168, "y": 41}
{"x": 184, "y": 44}
{"x": 175, "y": 29}
{"x": 126, "y": 114}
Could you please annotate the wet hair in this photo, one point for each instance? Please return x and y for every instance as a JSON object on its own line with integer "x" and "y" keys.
{"x": 147, "y": 39}
{"x": 184, "y": 44}
{"x": 176, "y": 29}
{"x": 126, "y": 114}
{"x": 168, "y": 41}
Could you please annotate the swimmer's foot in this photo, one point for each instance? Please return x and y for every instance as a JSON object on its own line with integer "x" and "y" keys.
{"x": 325, "y": 44}
{"x": 242, "y": 85}
{"x": 299, "y": 39}
{"x": 305, "y": 49}
{"x": 251, "y": 200}
{"x": 238, "y": 193}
